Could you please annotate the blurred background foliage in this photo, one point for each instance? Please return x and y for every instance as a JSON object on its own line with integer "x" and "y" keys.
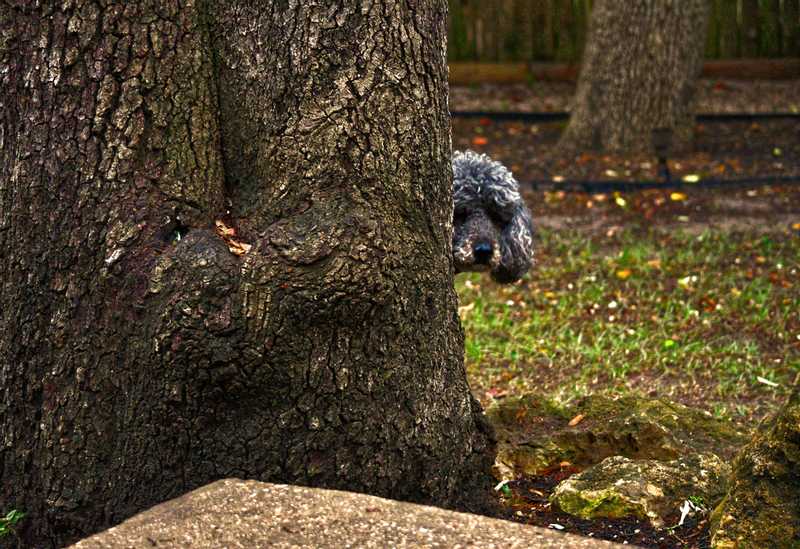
{"x": 555, "y": 30}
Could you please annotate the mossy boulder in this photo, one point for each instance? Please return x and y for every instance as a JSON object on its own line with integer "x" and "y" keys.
{"x": 536, "y": 433}
{"x": 762, "y": 507}
{"x": 648, "y": 489}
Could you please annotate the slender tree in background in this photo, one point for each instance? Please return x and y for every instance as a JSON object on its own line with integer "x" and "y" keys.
{"x": 139, "y": 357}
{"x": 639, "y": 73}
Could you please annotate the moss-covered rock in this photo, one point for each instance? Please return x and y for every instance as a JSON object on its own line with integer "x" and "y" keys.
{"x": 649, "y": 489}
{"x": 535, "y": 433}
{"x": 762, "y": 508}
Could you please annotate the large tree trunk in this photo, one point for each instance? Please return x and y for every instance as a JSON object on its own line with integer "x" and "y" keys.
{"x": 139, "y": 357}
{"x": 639, "y": 72}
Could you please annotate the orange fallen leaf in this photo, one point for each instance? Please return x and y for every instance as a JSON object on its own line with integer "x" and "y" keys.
{"x": 479, "y": 141}
{"x": 572, "y": 423}
{"x": 623, "y": 274}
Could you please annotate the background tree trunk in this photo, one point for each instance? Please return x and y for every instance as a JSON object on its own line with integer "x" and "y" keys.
{"x": 640, "y": 66}
{"x": 139, "y": 357}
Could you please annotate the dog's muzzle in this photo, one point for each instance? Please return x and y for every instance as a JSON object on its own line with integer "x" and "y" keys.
{"x": 482, "y": 252}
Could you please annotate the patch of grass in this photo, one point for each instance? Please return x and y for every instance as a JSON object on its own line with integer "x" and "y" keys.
{"x": 694, "y": 318}
{"x": 9, "y": 521}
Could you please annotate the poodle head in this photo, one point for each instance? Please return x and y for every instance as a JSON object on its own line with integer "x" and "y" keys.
{"x": 492, "y": 227}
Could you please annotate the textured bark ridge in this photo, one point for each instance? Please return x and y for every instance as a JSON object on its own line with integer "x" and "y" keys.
{"x": 140, "y": 358}
{"x": 639, "y": 71}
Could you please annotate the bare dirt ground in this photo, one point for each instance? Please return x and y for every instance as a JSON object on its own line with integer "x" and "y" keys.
{"x": 713, "y": 96}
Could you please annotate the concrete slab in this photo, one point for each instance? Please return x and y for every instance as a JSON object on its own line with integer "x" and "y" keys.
{"x": 233, "y": 513}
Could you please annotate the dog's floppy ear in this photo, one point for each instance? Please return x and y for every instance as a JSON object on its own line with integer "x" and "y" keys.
{"x": 516, "y": 245}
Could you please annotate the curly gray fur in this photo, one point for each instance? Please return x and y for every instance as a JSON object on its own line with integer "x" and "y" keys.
{"x": 492, "y": 227}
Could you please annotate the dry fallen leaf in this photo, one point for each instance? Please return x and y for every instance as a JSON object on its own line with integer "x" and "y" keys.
{"x": 573, "y": 422}
{"x": 497, "y": 393}
{"x": 623, "y": 274}
{"x": 238, "y": 248}
{"x": 479, "y": 141}
{"x": 464, "y": 309}
{"x": 767, "y": 382}
{"x": 227, "y": 233}
{"x": 223, "y": 230}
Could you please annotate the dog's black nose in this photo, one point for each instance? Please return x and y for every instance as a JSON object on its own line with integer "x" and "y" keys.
{"x": 482, "y": 252}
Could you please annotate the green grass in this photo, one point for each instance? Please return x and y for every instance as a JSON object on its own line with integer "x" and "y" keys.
{"x": 692, "y": 318}
{"x": 9, "y": 521}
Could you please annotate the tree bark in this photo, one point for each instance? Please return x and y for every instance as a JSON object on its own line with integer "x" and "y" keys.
{"x": 139, "y": 357}
{"x": 640, "y": 67}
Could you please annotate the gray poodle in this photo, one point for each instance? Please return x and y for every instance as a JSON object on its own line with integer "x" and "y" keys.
{"x": 492, "y": 227}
